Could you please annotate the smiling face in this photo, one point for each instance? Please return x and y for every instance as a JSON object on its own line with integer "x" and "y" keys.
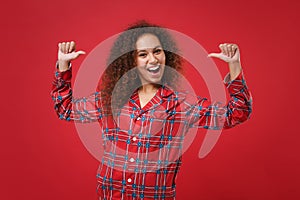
{"x": 150, "y": 59}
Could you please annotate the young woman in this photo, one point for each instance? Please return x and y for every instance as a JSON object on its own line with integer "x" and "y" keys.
{"x": 143, "y": 117}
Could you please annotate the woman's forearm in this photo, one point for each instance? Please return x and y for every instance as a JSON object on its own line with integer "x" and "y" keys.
{"x": 235, "y": 69}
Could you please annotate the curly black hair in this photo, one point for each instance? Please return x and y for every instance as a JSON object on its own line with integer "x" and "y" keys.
{"x": 121, "y": 64}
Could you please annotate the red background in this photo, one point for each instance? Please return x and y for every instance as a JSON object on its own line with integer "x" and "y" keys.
{"x": 43, "y": 158}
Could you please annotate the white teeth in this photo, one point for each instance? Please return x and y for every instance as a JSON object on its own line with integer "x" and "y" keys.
{"x": 153, "y": 68}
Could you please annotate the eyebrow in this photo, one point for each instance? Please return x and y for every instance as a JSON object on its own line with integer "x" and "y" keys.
{"x": 139, "y": 50}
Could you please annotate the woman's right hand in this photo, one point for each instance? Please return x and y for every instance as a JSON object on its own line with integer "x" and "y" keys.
{"x": 67, "y": 53}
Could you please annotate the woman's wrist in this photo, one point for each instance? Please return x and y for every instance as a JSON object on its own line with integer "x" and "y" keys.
{"x": 63, "y": 65}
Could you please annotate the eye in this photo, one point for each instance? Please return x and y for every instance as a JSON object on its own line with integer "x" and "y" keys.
{"x": 158, "y": 51}
{"x": 142, "y": 55}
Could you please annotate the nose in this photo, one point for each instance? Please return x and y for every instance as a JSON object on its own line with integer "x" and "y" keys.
{"x": 152, "y": 59}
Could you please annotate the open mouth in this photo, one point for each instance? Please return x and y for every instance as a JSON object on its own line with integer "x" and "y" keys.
{"x": 154, "y": 69}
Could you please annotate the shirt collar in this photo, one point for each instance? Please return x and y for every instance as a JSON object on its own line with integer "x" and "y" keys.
{"x": 164, "y": 92}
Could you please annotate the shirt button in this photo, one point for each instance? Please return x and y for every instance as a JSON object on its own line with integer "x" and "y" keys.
{"x": 134, "y": 138}
{"x": 131, "y": 159}
{"x": 129, "y": 180}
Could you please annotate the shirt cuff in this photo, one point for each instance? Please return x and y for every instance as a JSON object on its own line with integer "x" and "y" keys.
{"x": 237, "y": 85}
{"x": 63, "y": 75}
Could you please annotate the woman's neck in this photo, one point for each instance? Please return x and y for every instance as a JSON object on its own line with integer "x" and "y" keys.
{"x": 148, "y": 88}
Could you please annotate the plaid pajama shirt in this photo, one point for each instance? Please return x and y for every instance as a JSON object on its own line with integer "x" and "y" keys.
{"x": 143, "y": 146}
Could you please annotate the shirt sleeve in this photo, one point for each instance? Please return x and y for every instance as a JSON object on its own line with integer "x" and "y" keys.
{"x": 205, "y": 114}
{"x": 85, "y": 109}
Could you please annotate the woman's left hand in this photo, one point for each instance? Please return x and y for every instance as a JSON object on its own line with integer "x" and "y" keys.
{"x": 230, "y": 53}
